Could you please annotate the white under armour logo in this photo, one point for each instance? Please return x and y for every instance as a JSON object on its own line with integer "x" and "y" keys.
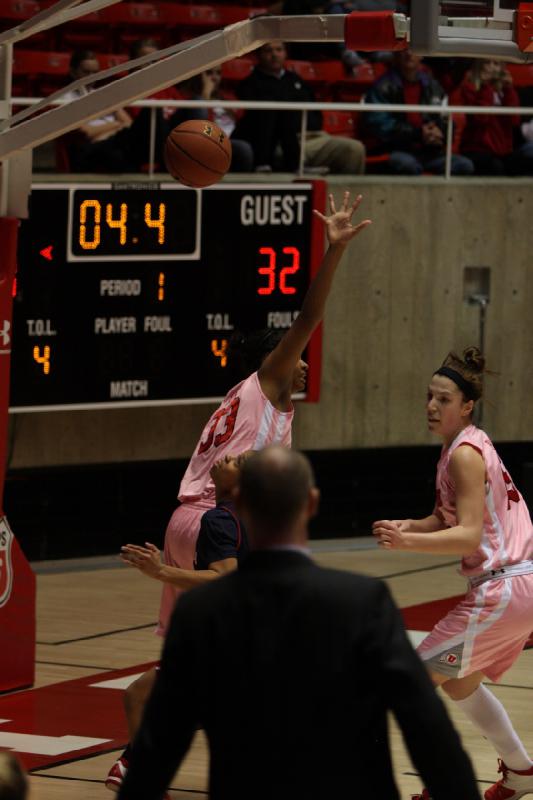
{"x": 4, "y": 332}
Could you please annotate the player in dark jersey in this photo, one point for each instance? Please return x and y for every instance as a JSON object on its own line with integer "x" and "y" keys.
{"x": 222, "y": 540}
{"x": 222, "y": 543}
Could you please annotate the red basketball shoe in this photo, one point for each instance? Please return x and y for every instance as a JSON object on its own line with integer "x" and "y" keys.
{"x": 513, "y": 784}
{"x": 424, "y": 796}
{"x": 116, "y": 774}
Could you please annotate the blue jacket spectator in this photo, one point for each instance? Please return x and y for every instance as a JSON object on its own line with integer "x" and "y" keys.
{"x": 415, "y": 141}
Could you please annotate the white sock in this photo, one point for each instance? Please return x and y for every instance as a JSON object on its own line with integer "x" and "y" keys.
{"x": 487, "y": 713}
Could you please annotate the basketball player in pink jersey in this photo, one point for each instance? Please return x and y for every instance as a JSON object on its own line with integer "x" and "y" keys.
{"x": 479, "y": 515}
{"x": 255, "y": 413}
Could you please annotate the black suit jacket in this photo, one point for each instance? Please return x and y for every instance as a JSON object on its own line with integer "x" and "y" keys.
{"x": 291, "y": 669}
{"x": 265, "y": 130}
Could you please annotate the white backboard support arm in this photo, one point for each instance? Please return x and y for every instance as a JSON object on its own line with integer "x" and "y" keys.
{"x": 183, "y": 62}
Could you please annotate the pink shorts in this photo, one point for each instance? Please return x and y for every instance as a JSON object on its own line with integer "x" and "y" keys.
{"x": 180, "y": 547}
{"x": 485, "y": 632}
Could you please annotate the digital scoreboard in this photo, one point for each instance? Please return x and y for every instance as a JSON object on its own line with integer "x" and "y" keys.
{"x": 128, "y": 294}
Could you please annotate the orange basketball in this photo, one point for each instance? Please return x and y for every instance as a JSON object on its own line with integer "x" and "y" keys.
{"x": 197, "y": 153}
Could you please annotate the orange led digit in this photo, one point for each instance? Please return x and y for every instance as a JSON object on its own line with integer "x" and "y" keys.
{"x": 118, "y": 223}
{"x": 294, "y": 267}
{"x": 43, "y": 359}
{"x": 220, "y": 352}
{"x": 269, "y": 270}
{"x": 156, "y": 223}
{"x": 161, "y": 289}
{"x": 84, "y": 242}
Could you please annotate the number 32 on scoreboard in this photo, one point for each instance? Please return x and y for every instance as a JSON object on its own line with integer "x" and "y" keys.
{"x": 269, "y": 270}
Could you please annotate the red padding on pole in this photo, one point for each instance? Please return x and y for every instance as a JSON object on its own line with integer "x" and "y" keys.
{"x": 524, "y": 27}
{"x": 8, "y": 267}
{"x": 17, "y": 581}
{"x": 372, "y": 30}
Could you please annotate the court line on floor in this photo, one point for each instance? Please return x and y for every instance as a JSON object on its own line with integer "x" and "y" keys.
{"x": 508, "y": 686}
{"x": 419, "y": 569}
{"x": 63, "y": 762}
{"x": 80, "y": 666}
{"x": 100, "y": 635}
{"x": 417, "y": 775}
{"x": 98, "y": 780}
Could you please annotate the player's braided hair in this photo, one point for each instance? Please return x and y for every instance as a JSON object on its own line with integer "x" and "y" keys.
{"x": 251, "y": 349}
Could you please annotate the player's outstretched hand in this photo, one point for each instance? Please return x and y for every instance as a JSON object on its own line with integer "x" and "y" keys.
{"x": 388, "y": 534}
{"x": 146, "y": 559}
{"x": 339, "y": 226}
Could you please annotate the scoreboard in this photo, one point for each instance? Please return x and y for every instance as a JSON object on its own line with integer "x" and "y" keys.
{"x": 128, "y": 294}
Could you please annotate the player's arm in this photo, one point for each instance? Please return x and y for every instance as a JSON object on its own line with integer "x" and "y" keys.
{"x": 275, "y": 374}
{"x": 148, "y": 561}
{"x": 425, "y": 525}
{"x": 94, "y": 132}
{"x": 467, "y": 470}
{"x": 189, "y": 578}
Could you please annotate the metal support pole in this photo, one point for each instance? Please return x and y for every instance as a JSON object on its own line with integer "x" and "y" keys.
{"x": 303, "y": 136}
{"x": 449, "y": 145}
{"x": 151, "y": 154}
{"x": 481, "y": 301}
{"x": 6, "y": 64}
{"x": 482, "y": 321}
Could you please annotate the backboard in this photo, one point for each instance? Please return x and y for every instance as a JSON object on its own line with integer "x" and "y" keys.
{"x": 490, "y": 28}
{"x": 498, "y": 9}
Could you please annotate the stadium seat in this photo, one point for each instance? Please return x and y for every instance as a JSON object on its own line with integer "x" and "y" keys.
{"x": 35, "y": 62}
{"x": 237, "y": 69}
{"x": 15, "y": 10}
{"x": 522, "y": 74}
{"x": 305, "y": 69}
{"x": 339, "y": 123}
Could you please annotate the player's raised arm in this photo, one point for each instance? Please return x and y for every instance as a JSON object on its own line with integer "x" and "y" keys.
{"x": 276, "y": 372}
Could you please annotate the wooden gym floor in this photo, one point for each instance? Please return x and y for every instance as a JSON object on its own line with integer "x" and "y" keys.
{"x": 96, "y": 616}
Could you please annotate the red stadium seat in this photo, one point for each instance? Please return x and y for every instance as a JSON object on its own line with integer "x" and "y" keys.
{"x": 136, "y": 14}
{"x": 18, "y": 9}
{"x": 522, "y": 74}
{"x": 36, "y": 62}
{"x": 329, "y": 72}
{"x": 237, "y": 69}
{"x": 305, "y": 69}
{"x": 339, "y": 123}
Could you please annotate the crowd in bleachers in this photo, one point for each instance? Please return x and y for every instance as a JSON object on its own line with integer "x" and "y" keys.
{"x": 336, "y": 141}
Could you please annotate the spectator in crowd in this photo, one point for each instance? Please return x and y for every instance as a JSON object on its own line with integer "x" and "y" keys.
{"x": 414, "y": 140}
{"x": 268, "y": 130}
{"x": 144, "y": 47}
{"x": 206, "y": 86}
{"x": 13, "y": 780}
{"x": 112, "y": 143}
{"x": 291, "y": 669}
{"x": 489, "y": 140}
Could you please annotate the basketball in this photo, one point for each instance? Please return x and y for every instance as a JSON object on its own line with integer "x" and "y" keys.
{"x": 197, "y": 153}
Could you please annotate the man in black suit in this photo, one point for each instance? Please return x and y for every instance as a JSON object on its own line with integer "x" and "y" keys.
{"x": 268, "y": 130}
{"x": 291, "y": 670}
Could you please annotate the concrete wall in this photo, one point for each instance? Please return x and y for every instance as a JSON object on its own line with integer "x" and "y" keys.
{"x": 396, "y": 309}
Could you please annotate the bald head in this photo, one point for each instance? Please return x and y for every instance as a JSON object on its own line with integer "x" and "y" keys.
{"x": 13, "y": 781}
{"x": 277, "y": 495}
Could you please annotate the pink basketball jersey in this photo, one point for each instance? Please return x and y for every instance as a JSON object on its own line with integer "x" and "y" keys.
{"x": 507, "y": 528}
{"x": 246, "y": 420}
